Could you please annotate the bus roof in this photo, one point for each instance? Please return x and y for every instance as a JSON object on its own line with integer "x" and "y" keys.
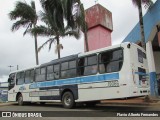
{"x": 71, "y": 57}
{"x": 67, "y": 58}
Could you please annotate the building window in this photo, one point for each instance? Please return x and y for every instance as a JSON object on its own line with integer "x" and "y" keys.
{"x": 110, "y": 61}
{"x": 87, "y": 65}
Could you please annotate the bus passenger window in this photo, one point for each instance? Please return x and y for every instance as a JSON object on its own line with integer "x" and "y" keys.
{"x": 29, "y": 76}
{"x": 56, "y": 71}
{"x": 50, "y": 74}
{"x": 20, "y": 78}
{"x": 81, "y": 64}
{"x": 110, "y": 61}
{"x": 11, "y": 81}
{"x": 68, "y": 69}
{"x": 87, "y": 65}
{"x": 64, "y": 68}
{"x": 40, "y": 74}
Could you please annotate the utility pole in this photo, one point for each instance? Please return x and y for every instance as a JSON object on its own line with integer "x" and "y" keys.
{"x": 10, "y": 67}
{"x": 96, "y": 1}
{"x": 17, "y": 67}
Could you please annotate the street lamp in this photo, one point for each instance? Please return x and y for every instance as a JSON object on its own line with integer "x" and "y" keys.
{"x": 10, "y": 67}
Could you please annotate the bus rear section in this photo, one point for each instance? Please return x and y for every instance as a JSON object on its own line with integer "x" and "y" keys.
{"x": 139, "y": 84}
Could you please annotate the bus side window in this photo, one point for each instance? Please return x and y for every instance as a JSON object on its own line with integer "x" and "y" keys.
{"x": 91, "y": 67}
{"x": 110, "y": 61}
{"x": 87, "y": 65}
{"x": 64, "y": 68}
{"x": 56, "y": 71}
{"x": 29, "y": 76}
{"x": 81, "y": 64}
{"x": 11, "y": 81}
{"x": 20, "y": 78}
{"x": 50, "y": 72}
{"x": 68, "y": 69}
{"x": 40, "y": 74}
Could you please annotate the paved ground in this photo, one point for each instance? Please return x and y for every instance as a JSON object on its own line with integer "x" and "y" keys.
{"x": 99, "y": 110}
{"x": 108, "y": 108}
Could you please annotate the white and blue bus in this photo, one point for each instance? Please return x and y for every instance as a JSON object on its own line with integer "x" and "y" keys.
{"x": 113, "y": 72}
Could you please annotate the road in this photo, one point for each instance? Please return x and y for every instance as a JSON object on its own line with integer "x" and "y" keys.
{"x": 81, "y": 112}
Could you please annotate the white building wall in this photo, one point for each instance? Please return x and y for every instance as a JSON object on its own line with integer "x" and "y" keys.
{"x": 157, "y": 61}
{"x": 150, "y": 57}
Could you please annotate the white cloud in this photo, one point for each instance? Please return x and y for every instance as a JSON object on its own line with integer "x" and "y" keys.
{"x": 18, "y": 50}
{"x": 4, "y": 78}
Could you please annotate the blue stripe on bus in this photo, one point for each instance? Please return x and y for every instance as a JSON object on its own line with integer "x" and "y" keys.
{"x": 141, "y": 73}
{"x": 78, "y": 80}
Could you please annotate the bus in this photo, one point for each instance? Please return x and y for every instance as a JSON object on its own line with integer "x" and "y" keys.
{"x": 114, "y": 72}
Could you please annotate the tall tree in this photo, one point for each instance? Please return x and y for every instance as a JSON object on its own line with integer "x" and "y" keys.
{"x": 54, "y": 28}
{"x": 73, "y": 13}
{"x": 139, "y": 3}
{"x": 25, "y": 16}
{"x": 75, "y": 16}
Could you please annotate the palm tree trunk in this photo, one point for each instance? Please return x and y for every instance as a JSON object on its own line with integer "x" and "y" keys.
{"x": 141, "y": 27}
{"x": 86, "y": 41}
{"x": 58, "y": 47}
{"x": 36, "y": 49}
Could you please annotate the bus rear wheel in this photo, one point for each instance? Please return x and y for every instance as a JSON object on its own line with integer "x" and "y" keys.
{"x": 68, "y": 100}
{"x": 20, "y": 100}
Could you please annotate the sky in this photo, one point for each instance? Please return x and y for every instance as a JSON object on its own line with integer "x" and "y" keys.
{"x": 16, "y": 49}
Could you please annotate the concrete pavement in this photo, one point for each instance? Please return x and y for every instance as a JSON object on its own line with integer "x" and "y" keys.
{"x": 133, "y": 101}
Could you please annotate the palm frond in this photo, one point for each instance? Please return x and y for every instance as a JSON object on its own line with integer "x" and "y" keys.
{"x": 147, "y": 3}
{"x": 51, "y": 40}
{"x": 20, "y": 23}
{"x": 29, "y": 26}
{"x": 67, "y": 8}
{"x": 41, "y": 31}
{"x": 33, "y": 5}
{"x": 23, "y": 10}
{"x": 74, "y": 33}
{"x": 54, "y": 11}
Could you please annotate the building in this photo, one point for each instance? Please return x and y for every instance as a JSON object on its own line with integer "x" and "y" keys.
{"x": 3, "y": 91}
{"x": 100, "y": 27}
{"x": 152, "y": 38}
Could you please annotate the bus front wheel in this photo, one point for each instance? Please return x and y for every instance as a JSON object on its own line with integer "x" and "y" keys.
{"x": 68, "y": 100}
{"x": 20, "y": 100}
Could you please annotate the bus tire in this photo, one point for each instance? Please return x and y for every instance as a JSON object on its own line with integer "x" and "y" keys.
{"x": 42, "y": 103}
{"x": 68, "y": 100}
{"x": 20, "y": 100}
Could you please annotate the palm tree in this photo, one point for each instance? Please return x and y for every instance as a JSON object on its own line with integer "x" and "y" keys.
{"x": 78, "y": 19}
{"x": 65, "y": 10}
{"x": 26, "y": 16}
{"x": 54, "y": 27}
{"x": 138, "y": 3}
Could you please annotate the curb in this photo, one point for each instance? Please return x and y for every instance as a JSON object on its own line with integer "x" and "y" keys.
{"x": 132, "y": 104}
{"x": 9, "y": 103}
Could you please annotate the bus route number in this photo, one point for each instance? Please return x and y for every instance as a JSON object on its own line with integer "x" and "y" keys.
{"x": 112, "y": 83}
